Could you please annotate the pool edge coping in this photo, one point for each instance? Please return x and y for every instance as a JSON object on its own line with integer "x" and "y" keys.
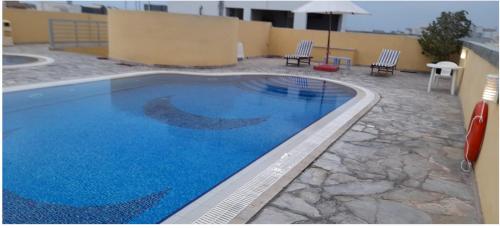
{"x": 42, "y": 60}
{"x": 225, "y": 205}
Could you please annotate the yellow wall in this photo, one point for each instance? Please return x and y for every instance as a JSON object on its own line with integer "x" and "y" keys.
{"x": 367, "y": 46}
{"x": 172, "y": 39}
{"x": 189, "y": 40}
{"x": 486, "y": 169}
{"x": 255, "y": 37}
{"x": 30, "y": 26}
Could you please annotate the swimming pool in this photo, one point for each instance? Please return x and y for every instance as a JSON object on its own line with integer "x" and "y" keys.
{"x": 15, "y": 60}
{"x": 138, "y": 149}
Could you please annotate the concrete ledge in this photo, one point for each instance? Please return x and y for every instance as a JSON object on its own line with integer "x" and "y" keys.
{"x": 486, "y": 52}
{"x": 42, "y": 60}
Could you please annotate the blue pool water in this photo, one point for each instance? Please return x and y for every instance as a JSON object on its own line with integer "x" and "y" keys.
{"x": 136, "y": 150}
{"x": 8, "y": 60}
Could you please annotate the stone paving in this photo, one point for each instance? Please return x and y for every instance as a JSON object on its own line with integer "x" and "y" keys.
{"x": 398, "y": 164}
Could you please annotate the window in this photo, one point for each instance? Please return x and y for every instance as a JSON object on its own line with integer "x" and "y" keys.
{"x": 319, "y": 21}
{"x": 95, "y": 10}
{"x": 235, "y": 12}
{"x": 279, "y": 18}
{"x": 151, "y": 7}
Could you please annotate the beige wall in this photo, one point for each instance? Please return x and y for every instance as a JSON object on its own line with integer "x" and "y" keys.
{"x": 172, "y": 39}
{"x": 187, "y": 40}
{"x": 486, "y": 169}
{"x": 30, "y": 26}
{"x": 255, "y": 37}
{"x": 366, "y": 47}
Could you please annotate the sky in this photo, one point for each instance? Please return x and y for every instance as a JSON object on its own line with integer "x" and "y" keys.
{"x": 398, "y": 15}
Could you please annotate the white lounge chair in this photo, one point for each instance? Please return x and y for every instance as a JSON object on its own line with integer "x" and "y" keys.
{"x": 386, "y": 61}
{"x": 302, "y": 54}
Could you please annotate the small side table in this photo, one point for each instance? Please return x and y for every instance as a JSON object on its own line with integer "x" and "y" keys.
{"x": 341, "y": 60}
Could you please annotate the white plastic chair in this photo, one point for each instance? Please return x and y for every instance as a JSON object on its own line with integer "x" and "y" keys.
{"x": 446, "y": 73}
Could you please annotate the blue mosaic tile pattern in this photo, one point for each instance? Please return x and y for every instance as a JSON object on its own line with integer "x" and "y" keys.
{"x": 104, "y": 152}
{"x": 17, "y": 209}
{"x": 163, "y": 110}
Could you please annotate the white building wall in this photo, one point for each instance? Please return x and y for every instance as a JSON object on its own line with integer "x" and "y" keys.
{"x": 300, "y": 20}
{"x": 212, "y": 8}
{"x": 265, "y": 5}
{"x": 57, "y": 7}
{"x": 247, "y": 15}
{"x": 343, "y": 19}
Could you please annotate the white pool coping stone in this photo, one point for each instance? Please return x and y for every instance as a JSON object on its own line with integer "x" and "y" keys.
{"x": 241, "y": 196}
{"x": 42, "y": 60}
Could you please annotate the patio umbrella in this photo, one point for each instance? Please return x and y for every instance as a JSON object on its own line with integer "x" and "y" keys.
{"x": 330, "y": 8}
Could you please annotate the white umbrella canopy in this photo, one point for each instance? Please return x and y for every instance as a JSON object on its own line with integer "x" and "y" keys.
{"x": 334, "y": 7}
{"x": 331, "y": 7}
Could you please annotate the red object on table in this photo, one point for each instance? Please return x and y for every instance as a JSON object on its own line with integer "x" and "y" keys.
{"x": 325, "y": 67}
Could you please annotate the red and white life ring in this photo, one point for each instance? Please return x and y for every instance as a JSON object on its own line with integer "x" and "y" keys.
{"x": 475, "y": 135}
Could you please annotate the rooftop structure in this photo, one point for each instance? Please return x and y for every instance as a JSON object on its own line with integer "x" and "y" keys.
{"x": 204, "y": 137}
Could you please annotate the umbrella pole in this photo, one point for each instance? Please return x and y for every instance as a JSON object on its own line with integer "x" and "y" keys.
{"x": 328, "y": 42}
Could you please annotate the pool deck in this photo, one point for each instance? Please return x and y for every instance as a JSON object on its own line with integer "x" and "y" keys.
{"x": 398, "y": 164}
